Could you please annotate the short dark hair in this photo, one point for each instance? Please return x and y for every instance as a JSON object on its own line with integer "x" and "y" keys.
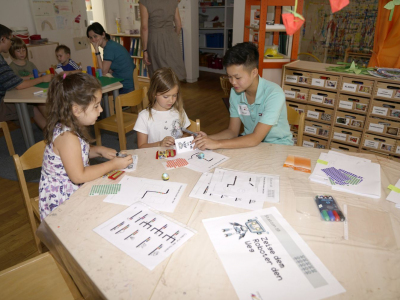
{"x": 63, "y": 47}
{"x": 98, "y": 29}
{"x": 5, "y": 31}
{"x": 245, "y": 54}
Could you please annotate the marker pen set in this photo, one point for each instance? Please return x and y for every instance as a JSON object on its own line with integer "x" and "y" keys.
{"x": 329, "y": 209}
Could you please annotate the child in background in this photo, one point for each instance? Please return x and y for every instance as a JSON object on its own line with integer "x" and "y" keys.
{"x": 160, "y": 123}
{"x": 63, "y": 54}
{"x": 23, "y": 68}
{"x": 257, "y": 103}
{"x": 8, "y": 79}
{"x": 73, "y": 103}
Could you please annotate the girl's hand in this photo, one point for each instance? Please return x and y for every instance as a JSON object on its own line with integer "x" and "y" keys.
{"x": 107, "y": 152}
{"x": 146, "y": 58}
{"x": 122, "y": 162}
{"x": 168, "y": 141}
{"x": 46, "y": 78}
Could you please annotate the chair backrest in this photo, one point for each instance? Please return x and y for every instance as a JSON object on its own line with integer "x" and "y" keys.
{"x": 225, "y": 84}
{"x": 133, "y": 98}
{"x": 22, "y": 280}
{"x": 136, "y": 78}
{"x": 194, "y": 126}
{"x": 7, "y": 136}
{"x": 295, "y": 118}
{"x": 31, "y": 159}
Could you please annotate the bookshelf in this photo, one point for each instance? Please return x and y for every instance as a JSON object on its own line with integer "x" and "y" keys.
{"x": 215, "y": 33}
{"x": 132, "y": 44}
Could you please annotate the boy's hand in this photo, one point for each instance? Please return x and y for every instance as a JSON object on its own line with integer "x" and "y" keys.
{"x": 47, "y": 77}
{"x": 200, "y": 135}
{"x": 107, "y": 152}
{"x": 168, "y": 141}
{"x": 122, "y": 162}
{"x": 205, "y": 143}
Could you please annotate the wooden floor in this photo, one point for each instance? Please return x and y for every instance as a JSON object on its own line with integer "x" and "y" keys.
{"x": 202, "y": 100}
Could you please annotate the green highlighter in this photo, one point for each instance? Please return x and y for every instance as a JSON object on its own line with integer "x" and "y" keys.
{"x": 325, "y": 215}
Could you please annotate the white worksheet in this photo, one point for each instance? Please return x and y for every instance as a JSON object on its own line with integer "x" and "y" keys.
{"x": 160, "y": 195}
{"x": 265, "y": 258}
{"x": 260, "y": 187}
{"x": 210, "y": 161}
{"x": 201, "y": 191}
{"x": 145, "y": 235}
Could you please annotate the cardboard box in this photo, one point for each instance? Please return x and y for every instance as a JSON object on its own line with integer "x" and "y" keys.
{"x": 300, "y": 77}
{"x": 385, "y": 127}
{"x": 386, "y": 109}
{"x": 295, "y": 93}
{"x": 342, "y": 147}
{"x": 379, "y": 143}
{"x": 325, "y": 80}
{"x": 352, "y": 103}
{"x": 317, "y": 129}
{"x": 321, "y": 114}
{"x": 301, "y": 108}
{"x": 327, "y": 99}
{"x": 357, "y": 86}
{"x": 346, "y": 135}
{"x": 349, "y": 120}
{"x": 313, "y": 142}
{"x": 387, "y": 91}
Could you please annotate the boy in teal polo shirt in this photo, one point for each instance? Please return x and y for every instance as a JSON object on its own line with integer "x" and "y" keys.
{"x": 257, "y": 103}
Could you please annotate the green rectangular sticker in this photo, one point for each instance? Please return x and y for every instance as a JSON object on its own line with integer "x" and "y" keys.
{"x": 105, "y": 189}
{"x": 393, "y": 188}
{"x": 320, "y": 161}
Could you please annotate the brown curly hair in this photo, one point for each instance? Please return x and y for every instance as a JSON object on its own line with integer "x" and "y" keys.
{"x": 78, "y": 88}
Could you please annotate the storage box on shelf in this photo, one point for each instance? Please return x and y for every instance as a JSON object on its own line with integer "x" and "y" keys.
{"x": 364, "y": 110}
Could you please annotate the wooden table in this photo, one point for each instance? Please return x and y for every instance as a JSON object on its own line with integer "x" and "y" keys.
{"x": 23, "y": 97}
{"x": 367, "y": 264}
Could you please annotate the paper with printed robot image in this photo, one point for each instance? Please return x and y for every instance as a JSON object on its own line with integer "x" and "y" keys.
{"x": 265, "y": 258}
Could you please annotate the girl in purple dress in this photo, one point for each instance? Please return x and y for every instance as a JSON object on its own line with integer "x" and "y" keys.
{"x": 73, "y": 103}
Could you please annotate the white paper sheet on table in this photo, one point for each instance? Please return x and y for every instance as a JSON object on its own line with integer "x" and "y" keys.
{"x": 394, "y": 196}
{"x": 256, "y": 186}
{"x": 201, "y": 191}
{"x": 210, "y": 161}
{"x": 145, "y": 235}
{"x": 270, "y": 261}
{"x": 160, "y": 195}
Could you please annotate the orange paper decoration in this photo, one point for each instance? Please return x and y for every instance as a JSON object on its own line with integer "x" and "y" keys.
{"x": 337, "y": 5}
{"x": 291, "y": 23}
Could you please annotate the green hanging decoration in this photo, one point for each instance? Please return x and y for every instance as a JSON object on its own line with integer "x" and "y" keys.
{"x": 390, "y": 6}
{"x": 350, "y": 68}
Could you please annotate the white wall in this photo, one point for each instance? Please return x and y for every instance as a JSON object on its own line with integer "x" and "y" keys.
{"x": 238, "y": 24}
{"x": 17, "y": 13}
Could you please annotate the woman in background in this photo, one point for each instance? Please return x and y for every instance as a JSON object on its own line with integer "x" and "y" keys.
{"x": 160, "y": 39}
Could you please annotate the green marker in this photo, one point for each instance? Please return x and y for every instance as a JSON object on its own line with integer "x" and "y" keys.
{"x": 325, "y": 215}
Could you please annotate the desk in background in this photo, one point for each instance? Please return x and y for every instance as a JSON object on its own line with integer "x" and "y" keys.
{"x": 367, "y": 264}
{"x": 23, "y": 97}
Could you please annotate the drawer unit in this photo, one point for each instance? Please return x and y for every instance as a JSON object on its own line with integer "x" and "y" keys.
{"x": 325, "y": 81}
{"x": 387, "y": 127}
{"x": 397, "y": 149}
{"x": 358, "y": 86}
{"x": 379, "y": 143}
{"x": 317, "y": 129}
{"x": 341, "y": 147}
{"x": 388, "y": 90}
{"x": 395, "y": 158}
{"x": 386, "y": 109}
{"x": 321, "y": 97}
{"x": 319, "y": 113}
{"x": 352, "y": 103}
{"x": 295, "y": 93}
{"x": 301, "y": 108}
{"x": 346, "y": 135}
{"x": 300, "y": 77}
{"x": 313, "y": 142}
{"x": 349, "y": 120}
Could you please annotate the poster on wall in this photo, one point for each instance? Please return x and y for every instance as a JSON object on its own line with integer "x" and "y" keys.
{"x": 53, "y": 15}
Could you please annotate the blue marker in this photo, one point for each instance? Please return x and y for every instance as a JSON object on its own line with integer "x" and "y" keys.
{"x": 188, "y": 131}
{"x": 100, "y": 72}
{"x": 89, "y": 70}
{"x": 35, "y": 73}
{"x": 331, "y": 216}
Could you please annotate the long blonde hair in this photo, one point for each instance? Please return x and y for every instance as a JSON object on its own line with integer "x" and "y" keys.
{"x": 64, "y": 91}
{"x": 162, "y": 81}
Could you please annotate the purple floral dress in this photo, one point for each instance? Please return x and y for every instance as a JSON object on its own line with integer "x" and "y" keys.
{"x": 55, "y": 187}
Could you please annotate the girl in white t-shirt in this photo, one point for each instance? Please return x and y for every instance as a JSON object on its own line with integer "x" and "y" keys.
{"x": 160, "y": 123}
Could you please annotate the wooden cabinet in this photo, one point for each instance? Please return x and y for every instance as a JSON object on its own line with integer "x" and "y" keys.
{"x": 347, "y": 112}
{"x": 250, "y": 31}
{"x": 43, "y": 55}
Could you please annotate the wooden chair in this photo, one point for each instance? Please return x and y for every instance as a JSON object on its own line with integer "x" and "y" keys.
{"x": 194, "y": 126}
{"x": 31, "y": 159}
{"x": 122, "y": 122}
{"x": 38, "y": 278}
{"x": 7, "y": 136}
{"x": 226, "y": 87}
{"x": 295, "y": 118}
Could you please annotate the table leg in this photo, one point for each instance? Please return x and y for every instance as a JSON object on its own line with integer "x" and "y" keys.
{"x": 106, "y": 105}
{"x": 25, "y": 122}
